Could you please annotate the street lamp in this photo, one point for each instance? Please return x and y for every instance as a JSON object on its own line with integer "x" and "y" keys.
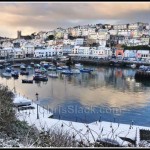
{"x": 37, "y": 105}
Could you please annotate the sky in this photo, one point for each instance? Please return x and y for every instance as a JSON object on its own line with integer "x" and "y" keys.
{"x": 45, "y": 16}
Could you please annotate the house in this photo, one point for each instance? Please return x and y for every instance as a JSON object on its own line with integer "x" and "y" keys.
{"x": 84, "y": 51}
{"x": 28, "y": 49}
{"x": 143, "y": 54}
{"x": 130, "y": 53}
{"x": 79, "y": 41}
{"x": 67, "y": 49}
{"x": 101, "y": 52}
{"x": 6, "y": 53}
{"x": 119, "y": 52}
{"x": 75, "y": 50}
{"x": 44, "y": 52}
{"x": 18, "y": 53}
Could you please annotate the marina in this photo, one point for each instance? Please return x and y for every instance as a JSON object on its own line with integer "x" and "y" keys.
{"x": 104, "y": 87}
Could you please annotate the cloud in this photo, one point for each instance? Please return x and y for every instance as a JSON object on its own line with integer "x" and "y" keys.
{"x": 49, "y": 15}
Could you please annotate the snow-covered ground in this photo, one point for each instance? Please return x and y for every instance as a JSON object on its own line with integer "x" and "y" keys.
{"x": 87, "y": 132}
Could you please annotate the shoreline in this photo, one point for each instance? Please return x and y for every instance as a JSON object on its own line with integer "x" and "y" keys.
{"x": 103, "y": 129}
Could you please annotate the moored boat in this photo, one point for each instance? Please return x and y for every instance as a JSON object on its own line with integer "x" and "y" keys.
{"x": 53, "y": 75}
{"x": 39, "y": 77}
{"x": 27, "y": 81}
{"x": 24, "y": 73}
{"x": 86, "y": 70}
{"x": 67, "y": 72}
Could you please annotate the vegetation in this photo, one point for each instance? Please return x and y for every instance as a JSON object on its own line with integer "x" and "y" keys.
{"x": 139, "y": 47}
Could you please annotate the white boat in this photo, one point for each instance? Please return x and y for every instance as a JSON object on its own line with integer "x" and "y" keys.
{"x": 6, "y": 74}
{"x": 29, "y": 67}
{"x": 78, "y": 65}
{"x": 53, "y": 75}
{"x": 133, "y": 66}
{"x": 75, "y": 71}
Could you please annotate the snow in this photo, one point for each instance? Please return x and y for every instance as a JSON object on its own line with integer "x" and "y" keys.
{"x": 87, "y": 132}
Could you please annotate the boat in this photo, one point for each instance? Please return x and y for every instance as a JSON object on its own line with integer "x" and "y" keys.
{"x": 86, "y": 70}
{"x": 16, "y": 65}
{"x": 6, "y": 74}
{"x": 39, "y": 77}
{"x": 15, "y": 74}
{"x": 65, "y": 67}
{"x": 59, "y": 68}
{"x": 38, "y": 71}
{"x": 53, "y": 75}
{"x": 8, "y": 70}
{"x": 24, "y": 73}
{"x": 52, "y": 68}
{"x": 133, "y": 66}
{"x": 76, "y": 71}
{"x": 67, "y": 72}
{"x": 78, "y": 65}
{"x": 22, "y": 67}
{"x": 37, "y": 65}
{"x": 27, "y": 81}
{"x": 1, "y": 66}
{"x": 29, "y": 67}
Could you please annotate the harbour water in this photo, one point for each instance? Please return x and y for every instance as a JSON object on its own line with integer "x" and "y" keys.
{"x": 107, "y": 94}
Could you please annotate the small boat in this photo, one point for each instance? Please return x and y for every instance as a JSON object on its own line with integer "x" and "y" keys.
{"x": 8, "y": 70}
{"x": 1, "y": 66}
{"x": 27, "y": 81}
{"x": 53, "y": 75}
{"x": 133, "y": 66}
{"x": 59, "y": 68}
{"x": 52, "y": 68}
{"x": 67, "y": 72}
{"x": 29, "y": 67}
{"x": 22, "y": 67}
{"x": 76, "y": 71}
{"x": 6, "y": 74}
{"x": 78, "y": 65}
{"x": 86, "y": 70}
{"x": 39, "y": 77}
{"x": 65, "y": 67}
{"x": 24, "y": 73}
{"x": 16, "y": 65}
{"x": 37, "y": 65}
{"x": 15, "y": 74}
{"x": 38, "y": 71}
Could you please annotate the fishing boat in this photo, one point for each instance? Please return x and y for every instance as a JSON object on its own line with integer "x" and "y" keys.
{"x": 37, "y": 65}
{"x": 39, "y": 77}
{"x": 53, "y": 75}
{"x": 27, "y": 81}
{"x": 16, "y": 65}
{"x": 67, "y": 72}
{"x": 24, "y": 73}
{"x": 1, "y": 66}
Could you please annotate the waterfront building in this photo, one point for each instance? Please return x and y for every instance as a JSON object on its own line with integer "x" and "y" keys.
{"x": 18, "y": 53}
{"x": 28, "y": 49}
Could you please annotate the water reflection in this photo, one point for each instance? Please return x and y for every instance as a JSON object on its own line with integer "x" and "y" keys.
{"x": 104, "y": 88}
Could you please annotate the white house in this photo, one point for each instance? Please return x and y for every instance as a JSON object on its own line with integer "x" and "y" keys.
{"x": 75, "y": 50}
{"x": 84, "y": 51}
{"x": 102, "y": 52}
{"x": 28, "y": 49}
{"x": 18, "y": 53}
{"x": 79, "y": 41}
